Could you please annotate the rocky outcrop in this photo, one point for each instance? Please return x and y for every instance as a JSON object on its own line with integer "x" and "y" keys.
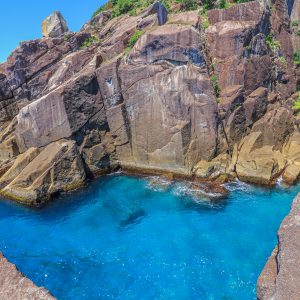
{"x": 55, "y": 25}
{"x": 13, "y": 284}
{"x": 160, "y": 10}
{"x": 294, "y": 12}
{"x": 36, "y": 174}
{"x": 280, "y": 278}
{"x": 161, "y": 92}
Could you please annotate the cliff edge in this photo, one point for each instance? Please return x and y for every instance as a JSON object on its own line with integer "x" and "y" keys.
{"x": 13, "y": 285}
{"x": 280, "y": 278}
{"x": 208, "y": 94}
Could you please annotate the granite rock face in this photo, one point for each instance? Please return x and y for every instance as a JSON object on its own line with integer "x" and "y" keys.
{"x": 280, "y": 278}
{"x": 13, "y": 285}
{"x": 55, "y": 25}
{"x": 209, "y": 100}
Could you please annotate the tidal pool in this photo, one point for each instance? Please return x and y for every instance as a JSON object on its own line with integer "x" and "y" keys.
{"x": 121, "y": 238}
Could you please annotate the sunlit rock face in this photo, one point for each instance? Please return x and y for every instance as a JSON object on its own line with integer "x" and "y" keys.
{"x": 204, "y": 98}
{"x": 55, "y": 25}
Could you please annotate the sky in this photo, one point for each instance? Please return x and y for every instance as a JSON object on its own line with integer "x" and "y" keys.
{"x": 21, "y": 20}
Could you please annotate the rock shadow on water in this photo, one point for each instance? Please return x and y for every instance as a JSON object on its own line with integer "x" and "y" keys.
{"x": 133, "y": 218}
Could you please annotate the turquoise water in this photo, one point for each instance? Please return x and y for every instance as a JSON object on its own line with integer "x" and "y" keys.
{"x": 121, "y": 239}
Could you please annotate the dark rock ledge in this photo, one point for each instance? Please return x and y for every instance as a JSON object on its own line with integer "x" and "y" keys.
{"x": 15, "y": 286}
{"x": 280, "y": 278}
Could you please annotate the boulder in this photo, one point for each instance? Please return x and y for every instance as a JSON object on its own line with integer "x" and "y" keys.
{"x": 291, "y": 174}
{"x": 214, "y": 168}
{"x": 20, "y": 163}
{"x": 256, "y": 163}
{"x": 58, "y": 167}
{"x": 275, "y": 126}
{"x": 54, "y": 25}
{"x": 291, "y": 149}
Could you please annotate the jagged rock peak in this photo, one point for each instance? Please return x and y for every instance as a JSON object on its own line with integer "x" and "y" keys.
{"x": 54, "y": 25}
{"x": 160, "y": 10}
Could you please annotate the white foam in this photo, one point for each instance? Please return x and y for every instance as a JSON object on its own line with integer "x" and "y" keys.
{"x": 238, "y": 185}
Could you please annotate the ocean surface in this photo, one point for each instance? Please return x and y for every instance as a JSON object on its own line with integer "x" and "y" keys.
{"x": 126, "y": 238}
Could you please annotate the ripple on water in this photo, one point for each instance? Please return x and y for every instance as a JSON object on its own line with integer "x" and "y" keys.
{"x": 123, "y": 238}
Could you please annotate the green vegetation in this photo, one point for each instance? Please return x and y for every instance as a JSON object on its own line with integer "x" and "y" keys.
{"x": 133, "y": 7}
{"x": 297, "y": 58}
{"x": 272, "y": 43}
{"x": 215, "y": 83}
{"x": 89, "y": 41}
{"x": 67, "y": 36}
{"x": 298, "y": 33}
{"x": 188, "y": 4}
{"x": 204, "y": 19}
{"x": 222, "y": 4}
{"x": 296, "y": 105}
{"x": 208, "y": 4}
{"x": 282, "y": 61}
{"x": 295, "y": 23}
{"x": 103, "y": 7}
{"x": 133, "y": 39}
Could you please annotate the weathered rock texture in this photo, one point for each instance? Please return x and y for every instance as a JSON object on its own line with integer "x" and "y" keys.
{"x": 55, "y": 25}
{"x": 205, "y": 102}
{"x": 280, "y": 278}
{"x": 13, "y": 285}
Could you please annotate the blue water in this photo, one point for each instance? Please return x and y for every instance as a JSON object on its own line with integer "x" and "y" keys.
{"x": 120, "y": 239}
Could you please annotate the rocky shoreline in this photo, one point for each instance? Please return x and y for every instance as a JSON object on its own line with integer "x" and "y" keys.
{"x": 13, "y": 284}
{"x": 280, "y": 278}
{"x": 204, "y": 94}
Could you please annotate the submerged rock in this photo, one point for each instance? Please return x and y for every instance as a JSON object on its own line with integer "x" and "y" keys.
{"x": 159, "y": 184}
{"x": 213, "y": 191}
{"x": 134, "y": 218}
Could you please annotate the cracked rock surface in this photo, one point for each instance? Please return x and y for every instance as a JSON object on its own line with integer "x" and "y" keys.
{"x": 209, "y": 101}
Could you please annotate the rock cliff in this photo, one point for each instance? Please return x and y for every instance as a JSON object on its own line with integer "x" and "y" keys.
{"x": 280, "y": 278}
{"x": 204, "y": 94}
{"x": 13, "y": 285}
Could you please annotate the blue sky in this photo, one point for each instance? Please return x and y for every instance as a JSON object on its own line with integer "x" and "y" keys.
{"x": 21, "y": 20}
